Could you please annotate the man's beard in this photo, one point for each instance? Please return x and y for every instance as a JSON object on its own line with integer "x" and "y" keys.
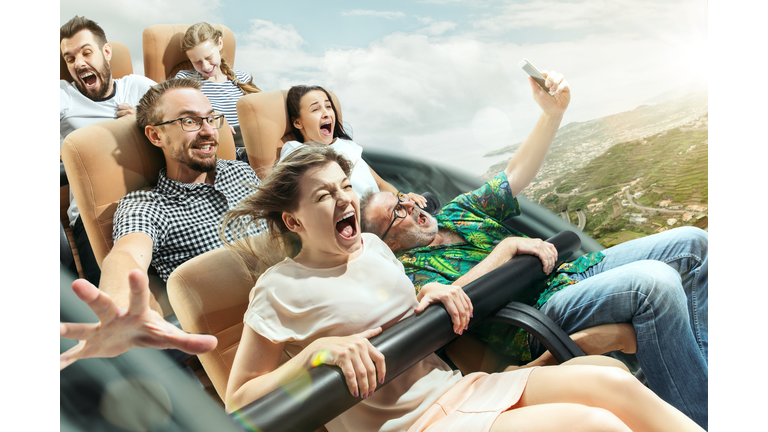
{"x": 104, "y": 76}
{"x": 201, "y": 164}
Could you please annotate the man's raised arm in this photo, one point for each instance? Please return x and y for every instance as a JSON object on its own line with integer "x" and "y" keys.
{"x": 527, "y": 160}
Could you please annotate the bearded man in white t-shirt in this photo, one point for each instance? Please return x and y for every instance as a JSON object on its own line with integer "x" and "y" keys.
{"x": 93, "y": 96}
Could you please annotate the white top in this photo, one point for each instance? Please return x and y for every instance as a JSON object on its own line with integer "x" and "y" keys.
{"x": 77, "y": 111}
{"x": 295, "y": 304}
{"x": 362, "y": 180}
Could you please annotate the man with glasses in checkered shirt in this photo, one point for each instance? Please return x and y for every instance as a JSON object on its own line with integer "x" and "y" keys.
{"x": 174, "y": 222}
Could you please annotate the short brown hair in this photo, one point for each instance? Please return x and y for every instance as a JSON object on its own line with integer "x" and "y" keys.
{"x": 278, "y": 193}
{"x": 78, "y": 23}
{"x": 148, "y": 110}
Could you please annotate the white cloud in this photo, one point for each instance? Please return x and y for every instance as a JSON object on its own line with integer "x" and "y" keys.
{"x": 590, "y": 15}
{"x": 380, "y": 14}
{"x": 437, "y": 28}
{"x": 275, "y": 55}
{"x": 423, "y": 94}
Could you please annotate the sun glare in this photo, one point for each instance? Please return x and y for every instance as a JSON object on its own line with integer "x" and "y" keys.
{"x": 688, "y": 54}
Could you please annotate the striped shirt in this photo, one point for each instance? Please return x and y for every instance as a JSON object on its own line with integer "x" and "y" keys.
{"x": 223, "y": 96}
{"x": 183, "y": 218}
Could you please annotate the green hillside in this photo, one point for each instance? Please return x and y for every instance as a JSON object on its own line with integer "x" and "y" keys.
{"x": 676, "y": 161}
{"x": 671, "y": 165}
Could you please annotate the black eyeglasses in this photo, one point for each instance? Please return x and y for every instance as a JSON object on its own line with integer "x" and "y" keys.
{"x": 399, "y": 213}
{"x": 192, "y": 123}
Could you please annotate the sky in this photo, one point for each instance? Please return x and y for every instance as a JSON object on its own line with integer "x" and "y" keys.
{"x": 416, "y": 77}
{"x": 440, "y": 79}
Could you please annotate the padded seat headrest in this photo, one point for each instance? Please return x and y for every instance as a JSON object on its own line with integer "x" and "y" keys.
{"x": 163, "y": 56}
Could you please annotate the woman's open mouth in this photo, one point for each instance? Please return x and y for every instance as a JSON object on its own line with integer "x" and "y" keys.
{"x": 347, "y": 226}
{"x": 326, "y": 129}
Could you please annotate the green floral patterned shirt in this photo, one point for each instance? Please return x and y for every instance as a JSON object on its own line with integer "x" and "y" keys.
{"x": 478, "y": 217}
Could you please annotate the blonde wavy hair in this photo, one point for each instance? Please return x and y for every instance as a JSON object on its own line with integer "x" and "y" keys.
{"x": 278, "y": 193}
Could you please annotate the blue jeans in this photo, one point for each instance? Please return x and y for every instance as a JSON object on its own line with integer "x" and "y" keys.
{"x": 659, "y": 284}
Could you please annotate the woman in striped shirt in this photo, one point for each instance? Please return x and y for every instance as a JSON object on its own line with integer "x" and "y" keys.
{"x": 221, "y": 85}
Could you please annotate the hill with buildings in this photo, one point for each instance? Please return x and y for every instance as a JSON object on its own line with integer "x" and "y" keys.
{"x": 617, "y": 188}
{"x": 637, "y": 187}
{"x": 579, "y": 142}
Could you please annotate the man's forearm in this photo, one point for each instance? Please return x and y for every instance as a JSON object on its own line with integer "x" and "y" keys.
{"x": 502, "y": 253}
{"x": 527, "y": 160}
{"x": 130, "y": 252}
{"x": 114, "y": 276}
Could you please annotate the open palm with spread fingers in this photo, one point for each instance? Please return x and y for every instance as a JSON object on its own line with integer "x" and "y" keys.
{"x": 119, "y": 329}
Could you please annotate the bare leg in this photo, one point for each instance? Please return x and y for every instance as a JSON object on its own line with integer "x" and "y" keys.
{"x": 606, "y": 388}
{"x": 557, "y": 417}
{"x": 591, "y": 360}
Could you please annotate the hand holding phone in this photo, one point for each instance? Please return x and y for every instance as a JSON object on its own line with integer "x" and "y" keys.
{"x": 534, "y": 73}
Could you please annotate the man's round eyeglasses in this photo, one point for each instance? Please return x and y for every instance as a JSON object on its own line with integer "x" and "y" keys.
{"x": 193, "y": 123}
{"x": 399, "y": 213}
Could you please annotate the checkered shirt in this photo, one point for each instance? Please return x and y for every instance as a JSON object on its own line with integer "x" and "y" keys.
{"x": 183, "y": 218}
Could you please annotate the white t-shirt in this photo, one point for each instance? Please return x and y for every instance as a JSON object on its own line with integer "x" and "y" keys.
{"x": 362, "y": 180}
{"x": 295, "y": 304}
{"x": 77, "y": 111}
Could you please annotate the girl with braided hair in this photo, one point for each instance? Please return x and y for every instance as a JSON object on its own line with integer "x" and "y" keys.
{"x": 222, "y": 85}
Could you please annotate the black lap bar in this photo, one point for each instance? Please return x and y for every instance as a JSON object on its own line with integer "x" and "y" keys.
{"x": 306, "y": 405}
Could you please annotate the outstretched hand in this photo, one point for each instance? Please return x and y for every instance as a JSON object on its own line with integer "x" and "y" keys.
{"x": 557, "y": 84}
{"x": 119, "y": 330}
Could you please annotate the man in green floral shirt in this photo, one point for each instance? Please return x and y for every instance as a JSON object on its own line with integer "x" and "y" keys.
{"x": 477, "y": 218}
{"x": 659, "y": 283}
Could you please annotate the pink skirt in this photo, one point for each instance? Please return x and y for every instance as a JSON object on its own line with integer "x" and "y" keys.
{"x": 474, "y": 402}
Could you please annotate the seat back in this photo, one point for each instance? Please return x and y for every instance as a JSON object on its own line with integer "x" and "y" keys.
{"x": 121, "y": 62}
{"x": 107, "y": 160}
{"x": 209, "y": 295}
{"x": 265, "y": 126}
{"x": 163, "y": 56}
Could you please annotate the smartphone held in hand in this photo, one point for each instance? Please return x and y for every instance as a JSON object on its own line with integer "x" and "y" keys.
{"x": 534, "y": 73}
